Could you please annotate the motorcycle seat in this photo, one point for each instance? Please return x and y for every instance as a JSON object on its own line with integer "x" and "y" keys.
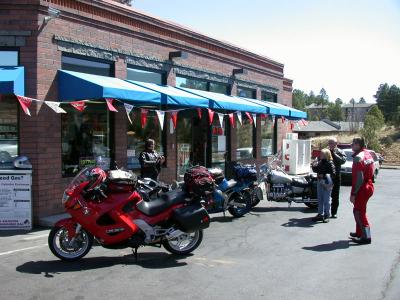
{"x": 300, "y": 182}
{"x": 166, "y": 200}
{"x": 230, "y": 184}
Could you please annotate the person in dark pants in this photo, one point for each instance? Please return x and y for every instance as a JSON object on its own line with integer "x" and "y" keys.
{"x": 150, "y": 161}
{"x": 339, "y": 158}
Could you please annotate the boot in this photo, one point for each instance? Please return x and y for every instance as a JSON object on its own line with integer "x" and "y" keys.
{"x": 318, "y": 218}
{"x": 361, "y": 241}
{"x": 354, "y": 235}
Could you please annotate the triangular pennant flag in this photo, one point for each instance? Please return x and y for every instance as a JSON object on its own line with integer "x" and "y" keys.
{"x": 143, "y": 117}
{"x": 255, "y": 119}
{"x": 55, "y": 106}
{"x": 273, "y": 121}
{"x": 25, "y": 102}
{"x": 231, "y": 120}
{"x": 161, "y": 115}
{"x": 199, "y": 112}
{"x": 249, "y": 117}
{"x": 78, "y": 105}
{"x": 210, "y": 116}
{"x": 221, "y": 119}
{"x": 174, "y": 117}
{"x": 110, "y": 105}
{"x": 291, "y": 125}
{"x": 128, "y": 109}
{"x": 239, "y": 116}
{"x": 283, "y": 119}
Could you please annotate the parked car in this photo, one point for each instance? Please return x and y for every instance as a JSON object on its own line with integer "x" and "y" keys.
{"x": 347, "y": 166}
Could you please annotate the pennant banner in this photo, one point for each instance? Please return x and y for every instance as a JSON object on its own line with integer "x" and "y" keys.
{"x": 143, "y": 117}
{"x": 255, "y": 119}
{"x": 210, "y": 116}
{"x": 55, "y": 106}
{"x": 231, "y": 120}
{"x": 174, "y": 117}
{"x": 249, "y": 117}
{"x": 128, "y": 109}
{"x": 273, "y": 121}
{"x": 110, "y": 105}
{"x": 161, "y": 116}
{"x": 291, "y": 125}
{"x": 239, "y": 116}
{"x": 25, "y": 102}
{"x": 221, "y": 119}
{"x": 78, "y": 105}
{"x": 283, "y": 119}
{"x": 199, "y": 113}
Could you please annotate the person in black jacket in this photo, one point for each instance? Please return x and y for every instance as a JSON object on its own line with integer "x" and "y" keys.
{"x": 325, "y": 170}
{"x": 150, "y": 161}
{"x": 339, "y": 158}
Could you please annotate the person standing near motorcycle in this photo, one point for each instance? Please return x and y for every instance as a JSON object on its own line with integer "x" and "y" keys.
{"x": 339, "y": 158}
{"x": 362, "y": 189}
{"x": 325, "y": 170}
{"x": 150, "y": 161}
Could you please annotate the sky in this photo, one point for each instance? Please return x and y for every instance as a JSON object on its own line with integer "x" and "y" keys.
{"x": 348, "y": 47}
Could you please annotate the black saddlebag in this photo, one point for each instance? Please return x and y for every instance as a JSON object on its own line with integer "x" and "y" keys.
{"x": 191, "y": 218}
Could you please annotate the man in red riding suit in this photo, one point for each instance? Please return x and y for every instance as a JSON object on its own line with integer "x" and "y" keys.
{"x": 362, "y": 190}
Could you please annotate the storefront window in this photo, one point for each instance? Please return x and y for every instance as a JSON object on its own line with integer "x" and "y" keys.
{"x": 184, "y": 141}
{"x": 218, "y": 144}
{"x": 244, "y": 139}
{"x": 246, "y": 93}
{"x": 84, "y": 65}
{"x": 145, "y": 76}
{"x": 267, "y": 96}
{"x": 8, "y": 126}
{"x": 138, "y": 135}
{"x": 218, "y": 88}
{"x": 191, "y": 83}
{"x": 8, "y": 58}
{"x": 267, "y": 137}
{"x": 85, "y": 138}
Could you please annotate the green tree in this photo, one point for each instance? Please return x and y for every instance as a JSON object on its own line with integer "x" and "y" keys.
{"x": 299, "y": 99}
{"x": 362, "y": 101}
{"x": 335, "y": 112}
{"x": 388, "y": 100}
{"x": 374, "y": 121}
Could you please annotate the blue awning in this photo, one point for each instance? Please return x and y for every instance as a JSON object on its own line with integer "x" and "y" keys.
{"x": 297, "y": 114}
{"x": 224, "y": 102}
{"x": 173, "y": 96}
{"x": 272, "y": 108}
{"x": 12, "y": 80}
{"x": 80, "y": 86}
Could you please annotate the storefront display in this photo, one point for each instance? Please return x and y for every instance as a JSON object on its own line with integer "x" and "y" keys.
{"x": 245, "y": 133}
{"x": 9, "y": 125}
{"x": 267, "y": 134}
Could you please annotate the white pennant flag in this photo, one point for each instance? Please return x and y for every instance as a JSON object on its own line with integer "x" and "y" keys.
{"x": 161, "y": 115}
{"x": 254, "y": 119}
{"x": 55, "y": 106}
{"x": 128, "y": 109}
{"x": 239, "y": 116}
{"x": 221, "y": 119}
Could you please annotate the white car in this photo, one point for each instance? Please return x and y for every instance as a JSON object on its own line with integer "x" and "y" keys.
{"x": 347, "y": 166}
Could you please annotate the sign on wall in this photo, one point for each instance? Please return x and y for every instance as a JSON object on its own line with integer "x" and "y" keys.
{"x": 15, "y": 200}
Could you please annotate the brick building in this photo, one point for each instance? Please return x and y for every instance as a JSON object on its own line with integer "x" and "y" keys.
{"x": 107, "y": 38}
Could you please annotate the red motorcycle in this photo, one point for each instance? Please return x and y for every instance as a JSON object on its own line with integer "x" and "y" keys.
{"x": 109, "y": 208}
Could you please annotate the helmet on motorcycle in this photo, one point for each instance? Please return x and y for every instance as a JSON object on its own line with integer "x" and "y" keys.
{"x": 96, "y": 176}
{"x": 22, "y": 162}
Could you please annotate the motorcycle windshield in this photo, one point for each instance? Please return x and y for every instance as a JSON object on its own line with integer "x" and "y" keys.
{"x": 81, "y": 177}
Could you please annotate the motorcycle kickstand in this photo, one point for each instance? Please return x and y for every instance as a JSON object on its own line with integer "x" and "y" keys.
{"x": 289, "y": 204}
{"x": 135, "y": 253}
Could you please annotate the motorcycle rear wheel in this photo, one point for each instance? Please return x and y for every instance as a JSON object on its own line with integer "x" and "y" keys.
{"x": 238, "y": 212}
{"x": 185, "y": 243}
{"x": 59, "y": 244}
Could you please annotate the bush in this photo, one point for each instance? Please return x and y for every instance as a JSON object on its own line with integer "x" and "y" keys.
{"x": 387, "y": 140}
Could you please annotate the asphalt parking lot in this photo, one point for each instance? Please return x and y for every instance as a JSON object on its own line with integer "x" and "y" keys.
{"x": 276, "y": 252}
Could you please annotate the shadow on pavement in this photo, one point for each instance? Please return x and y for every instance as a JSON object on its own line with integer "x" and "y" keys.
{"x": 304, "y": 209}
{"x": 335, "y": 245}
{"x": 302, "y": 222}
{"x": 222, "y": 219}
{"x": 149, "y": 260}
{"x": 7, "y": 233}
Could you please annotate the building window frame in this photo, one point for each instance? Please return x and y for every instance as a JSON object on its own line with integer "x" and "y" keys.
{"x": 151, "y": 70}
{"x": 92, "y": 59}
{"x": 12, "y": 49}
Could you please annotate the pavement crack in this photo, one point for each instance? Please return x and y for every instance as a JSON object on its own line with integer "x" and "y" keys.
{"x": 388, "y": 283}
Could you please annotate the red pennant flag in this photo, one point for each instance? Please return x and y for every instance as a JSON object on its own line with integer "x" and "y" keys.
{"x": 199, "y": 113}
{"x": 231, "y": 120}
{"x": 110, "y": 105}
{"x": 143, "y": 117}
{"x": 210, "y": 116}
{"x": 25, "y": 102}
{"x": 174, "y": 117}
{"x": 250, "y": 118}
{"x": 78, "y": 105}
{"x": 291, "y": 125}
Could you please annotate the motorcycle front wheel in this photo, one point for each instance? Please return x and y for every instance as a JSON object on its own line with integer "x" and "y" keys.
{"x": 65, "y": 249}
{"x": 185, "y": 243}
{"x": 245, "y": 200}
